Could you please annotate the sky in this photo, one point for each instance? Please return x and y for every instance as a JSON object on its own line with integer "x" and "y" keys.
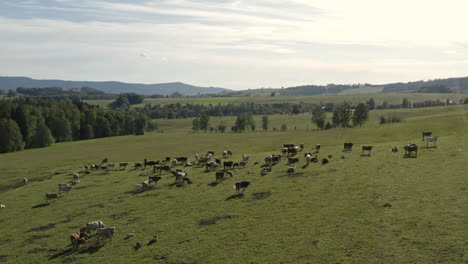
{"x": 235, "y": 44}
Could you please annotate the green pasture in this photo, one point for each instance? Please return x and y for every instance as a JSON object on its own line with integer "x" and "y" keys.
{"x": 378, "y": 209}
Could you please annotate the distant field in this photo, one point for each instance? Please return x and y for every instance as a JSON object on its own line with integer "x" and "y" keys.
{"x": 354, "y": 98}
{"x": 363, "y": 90}
{"x": 378, "y": 209}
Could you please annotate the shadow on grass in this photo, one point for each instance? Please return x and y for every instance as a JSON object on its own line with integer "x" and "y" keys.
{"x": 213, "y": 184}
{"x": 235, "y": 196}
{"x": 63, "y": 253}
{"x": 40, "y": 205}
{"x": 406, "y": 156}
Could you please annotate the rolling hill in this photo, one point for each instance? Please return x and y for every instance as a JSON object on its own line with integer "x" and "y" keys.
{"x": 12, "y": 83}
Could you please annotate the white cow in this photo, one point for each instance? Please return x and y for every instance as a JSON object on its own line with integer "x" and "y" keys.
{"x": 2, "y": 206}
{"x": 94, "y": 225}
{"x": 25, "y": 180}
{"x": 105, "y": 232}
{"x": 64, "y": 187}
{"x": 76, "y": 176}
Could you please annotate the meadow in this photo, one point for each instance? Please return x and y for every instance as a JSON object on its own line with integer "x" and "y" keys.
{"x": 378, "y": 209}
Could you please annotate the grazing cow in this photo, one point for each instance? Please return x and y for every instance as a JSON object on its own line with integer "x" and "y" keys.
{"x": 75, "y": 182}
{"x": 229, "y": 153}
{"x": 292, "y": 169}
{"x": 348, "y": 146}
{"x": 235, "y": 164}
{"x": 189, "y": 164}
{"x": 110, "y": 165}
{"x": 154, "y": 179}
{"x": 210, "y": 152}
{"x": 293, "y": 150}
{"x": 330, "y": 156}
{"x": 2, "y": 206}
{"x": 395, "y": 149}
{"x": 219, "y": 175}
{"x": 197, "y": 157}
{"x": 105, "y": 160}
{"x": 129, "y": 235}
{"x": 138, "y": 245}
{"x": 366, "y": 148}
{"x": 293, "y": 160}
{"x": 123, "y": 165}
{"x": 245, "y": 158}
{"x": 218, "y": 161}
{"x": 265, "y": 171}
{"x": 77, "y": 239}
{"x": 181, "y": 177}
{"x": 431, "y": 139}
{"x": 242, "y": 163}
{"x": 302, "y": 146}
{"x": 87, "y": 171}
{"x": 25, "y": 180}
{"x": 174, "y": 162}
{"x": 426, "y": 134}
{"x": 284, "y": 150}
{"x": 161, "y": 168}
{"x": 94, "y": 225}
{"x": 240, "y": 186}
{"x": 411, "y": 148}
{"x": 150, "y": 162}
{"x": 268, "y": 159}
{"x": 225, "y": 154}
{"x": 343, "y": 156}
{"x": 288, "y": 145}
{"x": 168, "y": 159}
{"x": 308, "y": 157}
{"x": 228, "y": 164}
{"x": 324, "y": 161}
{"x": 212, "y": 165}
{"x": 275, "y": 158}
{"x": 105, "y": 232}
{"x": 153, "y": 240}
{"x": 317, "y": 147}
{"x": 64, "y": 187}
{"x": 182, "y": 159}
{"x": 51, "y": 195}
{"x": 138, "y": 164}
{"x": 314, "y": 159}
{"x": 76, "y": 176}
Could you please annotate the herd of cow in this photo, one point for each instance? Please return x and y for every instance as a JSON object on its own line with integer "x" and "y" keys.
{"x": 221, "y": 168}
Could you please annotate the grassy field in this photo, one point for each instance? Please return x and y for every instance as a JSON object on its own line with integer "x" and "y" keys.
{"x": 378, "y": 209}
{"x": 354, "y": 98}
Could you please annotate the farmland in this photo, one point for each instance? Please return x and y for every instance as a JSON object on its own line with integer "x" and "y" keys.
{"x": 378, "y": 209}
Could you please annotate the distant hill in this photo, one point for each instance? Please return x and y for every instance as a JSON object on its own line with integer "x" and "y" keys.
{"x": 432, "y": 86}
{"x": 11, "y": 83}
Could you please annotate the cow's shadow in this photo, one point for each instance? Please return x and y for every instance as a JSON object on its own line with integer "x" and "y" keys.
{"x": 408, "y": 156}
{"x": 235, "y": 196}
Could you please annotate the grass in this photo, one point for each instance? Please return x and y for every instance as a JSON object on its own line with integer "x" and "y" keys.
{"x": 378, "y": 209}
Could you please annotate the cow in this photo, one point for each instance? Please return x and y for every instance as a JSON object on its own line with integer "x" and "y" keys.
{"x": 366, "y": 148}
{"x": 149, "y": 163}
{"x": 75, "y": 182}
{"x": 284, "y": 151}
{"x": 275, "y": 158}
{"x": 161, "y": 168}
{"x": 347, "y": 146}
{"x": 314, "y": 159}
{"x": 431, "y": 139}
{"x": 245, "y": 158}
{"x": 293, "y": 160}
{"x": 411, "y": 148}
{"x": 110, "y": 165}
{"x": 265, "y": 171}
{"x": 218, "y": 161}
{"x": 76, "y": 176}
{"x": 51, "y": 196}
{"x": 292, "y": 169}
{"x": 228, "y": 164}
{"x": 268, "y": 159}
{"x": 25, "y": 180}
{"x": 197, "y": 157}
{"x": 240, "y": 186}
{"x": 182, "y": 159}
{"x": 105, "y": 160}
{"x": 94, "y": 225}
{"x": 181, "y": 177}
{"x": 308, "y": 157}
{"x": 2, "y": 206}
{"x": 212, "y": 165}
{"x": 302, "y": 145}
{"x": 138, "y": 164}
{"x": 324, "y": 161}
{"x": 426, "y": 134}
{"x": 154, "y": 179}
{"x": 210, "y": 152}
{"x": 105, "y": 232}
{"x": 174, "y": 162}
{"x": 288, "y": 145}
{"x": 229, "y": 153}
{"x": 317, "y": 147}
{"x": 123, "y": 165}
{"x": 77, "y": 239}
{"x": 64, "y": 187}
{"x": 225, "y": 154}
{"x": 220, "y": 175}
{"x": 395, "y": 149}
{"x": 168, "y": 159}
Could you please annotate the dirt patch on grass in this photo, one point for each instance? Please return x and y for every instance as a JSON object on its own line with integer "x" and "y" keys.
{"x": 42, "y": 250}
{"x": 5, "y": 241}
{"x": 213, "y": 220}
{"x": 261, "y": 195}
{"x": 42, "y": 228}
{"x": 118, "y": 216}
{"x": 36, "y": 237}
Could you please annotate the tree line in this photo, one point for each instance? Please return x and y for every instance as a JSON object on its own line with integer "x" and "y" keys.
{"x": 29, "y": 122}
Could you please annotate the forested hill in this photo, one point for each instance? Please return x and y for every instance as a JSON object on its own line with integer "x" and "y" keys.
{"x": 11, "y": 83}
{"x": 454, "y": 84}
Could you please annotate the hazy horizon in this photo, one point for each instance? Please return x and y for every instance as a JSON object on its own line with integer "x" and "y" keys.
{"x": 234, "y": 44}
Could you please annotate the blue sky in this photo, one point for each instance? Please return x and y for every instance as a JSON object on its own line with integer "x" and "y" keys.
{"x": 236, "y": 44}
